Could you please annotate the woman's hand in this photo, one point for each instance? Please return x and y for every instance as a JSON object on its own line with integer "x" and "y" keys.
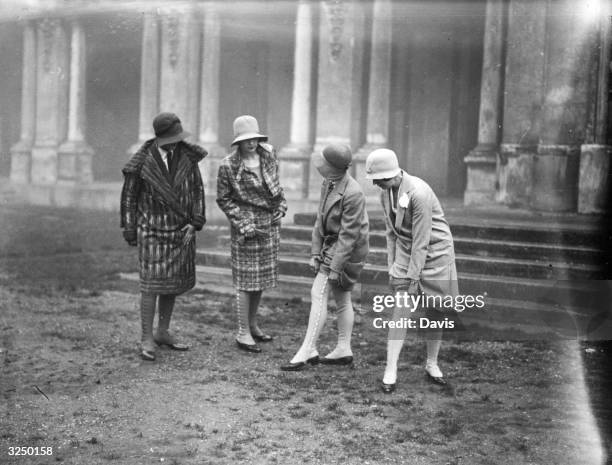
{"x": 334, "y": 278}
{"x": 189, "y": 231}
{"x": 276, "y": 220}
{"x": 314, "y": 265}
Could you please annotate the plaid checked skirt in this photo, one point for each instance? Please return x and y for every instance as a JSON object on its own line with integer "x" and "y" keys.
{"x": 255, "y": 260}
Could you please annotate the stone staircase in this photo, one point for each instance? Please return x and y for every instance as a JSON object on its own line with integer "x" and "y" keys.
{"x": 534, "y": 271}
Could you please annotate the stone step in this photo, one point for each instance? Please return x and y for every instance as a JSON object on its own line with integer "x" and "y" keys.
{"x": 484, "y": 247}
{"x": 571, "y": 293}
{"x": 552, "y": 231}
{"x": 498, "y": 266}
{"x": 521, "y": 317}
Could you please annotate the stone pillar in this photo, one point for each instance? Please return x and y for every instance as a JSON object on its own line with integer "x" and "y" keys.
{"x": 51, "y": 99}
{"x": 481, "y": 162}
{"x": 209, "y": 96}
{"x": 379, "y": 91}
{"x": 524, "y": 95}
{"x": 21, "y": 152}
{"x": 74, "y": 155}
{"x": 149, "y": 79}
{"x": 295, "y": 157}
{"x": 595, "y": 175}
{"x": 340, "y": 78}
{"x": 180, "y": 65}
{"x": 570, "y": 59}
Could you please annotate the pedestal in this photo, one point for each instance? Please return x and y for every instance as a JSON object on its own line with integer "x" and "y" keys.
{"x": 594, "y": 181}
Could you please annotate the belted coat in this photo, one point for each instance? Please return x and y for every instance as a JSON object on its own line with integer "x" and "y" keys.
{"x": 340, "y": 237}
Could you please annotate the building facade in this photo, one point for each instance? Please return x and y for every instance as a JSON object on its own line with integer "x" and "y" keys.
{"x": 496, "y": 102}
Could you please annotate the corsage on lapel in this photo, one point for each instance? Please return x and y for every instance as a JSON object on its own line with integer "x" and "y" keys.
{"x": 403, "y": 201}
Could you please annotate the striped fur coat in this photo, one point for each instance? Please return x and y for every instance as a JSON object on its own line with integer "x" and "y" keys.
{"x": 157, "y": 203}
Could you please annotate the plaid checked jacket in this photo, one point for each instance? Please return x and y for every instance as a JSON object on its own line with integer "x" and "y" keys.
{"x": 244, "y": 205}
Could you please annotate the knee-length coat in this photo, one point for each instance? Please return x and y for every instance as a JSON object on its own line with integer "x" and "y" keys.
{"x": 157, "y": 203}
{"x": 251, "y": 201}
{"x": 340, "y": 237}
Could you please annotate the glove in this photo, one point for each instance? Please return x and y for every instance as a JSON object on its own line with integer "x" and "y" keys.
{"x": 130, "y": 237}
{"x": 334, "y": 278}
{"x": 314, "y": 265}
{"x": 276, "y": 220}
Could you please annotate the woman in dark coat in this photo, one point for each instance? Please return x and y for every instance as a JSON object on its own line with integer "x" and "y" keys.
{"x": 339, "y": 248}
{"x": 162, "y": 205}
{"x": 250, "y": 195}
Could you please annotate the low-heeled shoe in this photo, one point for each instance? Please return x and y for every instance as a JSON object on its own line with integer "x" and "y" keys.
{"x": 148, "y": 355}
{"x": 249, "y": 347}
{"x": 172, "y": 345}
{"x": 263, "y": 337}
{"x": 387, "y": 388}
{"x": 437, "y": 379}
{"x": 347, "y": 360}
{"x": 300, "y": 365}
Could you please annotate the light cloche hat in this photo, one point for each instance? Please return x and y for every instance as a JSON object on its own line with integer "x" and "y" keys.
{"x": 245, "y": 128}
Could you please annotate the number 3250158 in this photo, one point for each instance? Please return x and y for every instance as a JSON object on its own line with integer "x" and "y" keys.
{"x": 23, "y": 450}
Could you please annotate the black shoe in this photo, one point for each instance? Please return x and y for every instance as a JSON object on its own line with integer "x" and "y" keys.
{"x": 263, "y": 337}
{"x": 387, "y": 388}
{"x": 249, "y": 347}
{"x": 148, "y": 355}
{"x": 436, "y": 379}
{"x": 300, "y": 365}
{"x": 347, "y": 360}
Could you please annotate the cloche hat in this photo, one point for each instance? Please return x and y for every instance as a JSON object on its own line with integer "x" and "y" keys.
{"x": 168, "y": 129}
{"x": 382, "y": 164}
{"x": 245, "y": 128}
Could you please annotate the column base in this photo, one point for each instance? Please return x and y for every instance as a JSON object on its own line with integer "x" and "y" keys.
{"x": 516, "y": 175}
{"x": 594, "y": 188}
{"x": 482, "y": 183}
{"x": 21, "y": 162}
{"x": 294, "y": 169}
{"x": 44, "y": 164}
{"x": 74, "y": 162}
{"x": 555, "y": 178}
{"x": 359, "y": 159}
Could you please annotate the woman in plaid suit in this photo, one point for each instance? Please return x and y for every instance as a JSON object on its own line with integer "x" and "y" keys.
{"x": 250, "y": 195}
{"x": 162, "y": 205}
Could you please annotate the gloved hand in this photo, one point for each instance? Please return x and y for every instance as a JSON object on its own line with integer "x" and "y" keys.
{"x": 276, "y": 219}
{"x": 334, "y": 278}
{"x": 314, "y": 265}
{"x": 130, "y": 237}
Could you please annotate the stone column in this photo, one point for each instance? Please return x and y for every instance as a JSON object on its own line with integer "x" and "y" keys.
{"x": 51, "y": 100}
{"x": 149, "y": 79}
{"x": 594, "y": 183}
{"x": 21, "y": 152}
{"x": 379, "y": 91}
{"x": 339, "y": 111}
{"x": 74, "y": 155}
{"x": 209, "y": 96}
{"x": 570, "y": 59}
{"x": 481, "y": 162}
{"x": 524, "y": 95}
{"x": 295, "y": 157}
{"x": 180, "y": 65}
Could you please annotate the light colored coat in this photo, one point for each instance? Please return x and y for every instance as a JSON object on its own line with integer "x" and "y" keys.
{"x": 420, "y": 237}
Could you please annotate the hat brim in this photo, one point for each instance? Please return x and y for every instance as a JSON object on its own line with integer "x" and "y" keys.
{"x": 172, "y": 139}
{"x": 384, "y": 174}
{"x": 250, "y": 135}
